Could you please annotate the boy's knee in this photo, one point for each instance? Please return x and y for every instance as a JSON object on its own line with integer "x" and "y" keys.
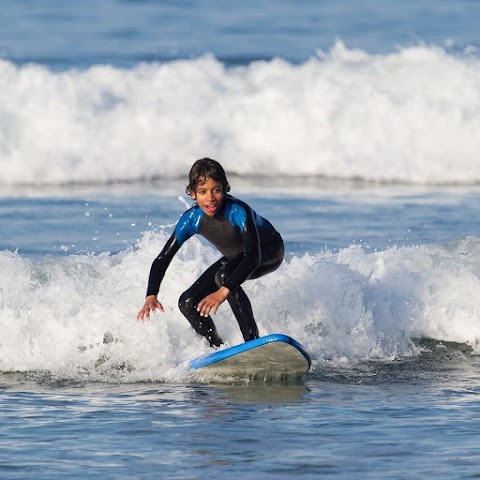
{"x": 220, "y": 278}
{"x": 186, "y": 302}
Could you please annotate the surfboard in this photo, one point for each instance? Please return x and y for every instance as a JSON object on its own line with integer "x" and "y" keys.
{"x": 272, "y": 356}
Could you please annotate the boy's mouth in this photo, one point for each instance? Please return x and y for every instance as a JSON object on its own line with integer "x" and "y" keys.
{"x": 211, "y": 207}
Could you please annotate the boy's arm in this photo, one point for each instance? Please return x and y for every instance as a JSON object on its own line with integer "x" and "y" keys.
{"x": 160, "y": 265}
{"x": 252, "y": 253}
{"x": 252, "y": 257}
{"x": 157, "y": 272}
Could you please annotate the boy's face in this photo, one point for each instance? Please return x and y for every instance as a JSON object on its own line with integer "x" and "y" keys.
{"x": 209, "y": 196}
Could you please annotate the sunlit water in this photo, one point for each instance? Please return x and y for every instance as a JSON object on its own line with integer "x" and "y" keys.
{"x": 381, "y": 401}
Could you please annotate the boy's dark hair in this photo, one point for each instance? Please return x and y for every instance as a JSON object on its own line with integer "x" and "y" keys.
{"x": 203, "y": 169}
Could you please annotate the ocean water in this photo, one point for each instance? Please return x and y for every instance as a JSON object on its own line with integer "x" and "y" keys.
{"x": 353, "y": 127}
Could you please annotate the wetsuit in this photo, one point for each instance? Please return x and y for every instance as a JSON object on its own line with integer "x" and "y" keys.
{"x": 251, "y": 247}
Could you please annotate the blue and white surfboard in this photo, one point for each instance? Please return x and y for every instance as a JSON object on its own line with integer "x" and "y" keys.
{"x": 273, "y": 355}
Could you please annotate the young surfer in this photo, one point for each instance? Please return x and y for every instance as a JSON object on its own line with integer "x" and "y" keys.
{"x": 250, "y": 245}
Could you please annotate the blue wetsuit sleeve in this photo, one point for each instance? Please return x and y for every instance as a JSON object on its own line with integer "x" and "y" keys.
{"x": 183, "y": 231}
{"x": 251, "y": 257}
{"x": 160, "y": 265}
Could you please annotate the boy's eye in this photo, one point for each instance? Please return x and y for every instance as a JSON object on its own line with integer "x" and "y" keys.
{"x": 204, "y": 192}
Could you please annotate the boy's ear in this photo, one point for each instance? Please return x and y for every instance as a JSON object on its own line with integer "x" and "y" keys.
{"x": 193, "y": 196}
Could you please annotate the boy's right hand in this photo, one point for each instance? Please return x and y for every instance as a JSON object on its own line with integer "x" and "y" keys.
{"x": 151, "y": 305}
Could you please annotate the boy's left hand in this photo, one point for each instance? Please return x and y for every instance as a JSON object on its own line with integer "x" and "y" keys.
{"x": 209, "y": 305}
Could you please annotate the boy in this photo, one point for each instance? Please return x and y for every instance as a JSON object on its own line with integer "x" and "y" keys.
{"x": 250, "y": 245}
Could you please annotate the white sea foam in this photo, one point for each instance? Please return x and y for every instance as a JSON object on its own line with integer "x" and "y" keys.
{"x": 408, "y": 116}
{"x": 343, "y": 307}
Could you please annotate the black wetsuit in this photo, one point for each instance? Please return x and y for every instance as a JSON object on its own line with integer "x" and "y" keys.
{"x": 251, "y": 247}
